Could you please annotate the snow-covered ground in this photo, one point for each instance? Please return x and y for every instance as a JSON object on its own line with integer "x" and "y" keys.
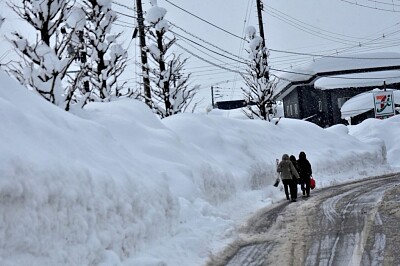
{"x": 114, "y": 185}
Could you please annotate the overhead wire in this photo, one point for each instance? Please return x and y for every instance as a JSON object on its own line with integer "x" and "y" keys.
{"x": 370, "y": 7}
{"x": 205, "y": 21}
{"x": 308, "y": 30}
{"x": 207, "y": 61}
{"x": 124, "y": 6}
{"x": 357, "y": 47}
{"x": 249, "y": 7}
{"x": 383, "y": 3}
{"x": 274, "y": 50}
{"x": 201, "y": 39}
{"x": 317, "y": 29}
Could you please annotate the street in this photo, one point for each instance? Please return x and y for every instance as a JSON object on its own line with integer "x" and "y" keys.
{"x": 351, "y": 224}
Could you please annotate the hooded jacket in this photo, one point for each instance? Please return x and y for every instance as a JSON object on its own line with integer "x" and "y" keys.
{"x": 304, "y": 166}
{"x": 286, "y": 168}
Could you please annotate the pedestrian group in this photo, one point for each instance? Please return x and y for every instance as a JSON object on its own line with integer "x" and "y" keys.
{"x": 295, "y": 172}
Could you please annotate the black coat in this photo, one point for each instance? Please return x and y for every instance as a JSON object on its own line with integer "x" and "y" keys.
{"x": 304, "y": 168}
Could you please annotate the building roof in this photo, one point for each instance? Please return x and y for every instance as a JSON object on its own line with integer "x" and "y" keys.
{"x": 335, "y": 66}
{"x": 369, "y": 79}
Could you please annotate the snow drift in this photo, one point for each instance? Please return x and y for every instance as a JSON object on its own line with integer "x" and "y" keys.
{"x": 114, "y": 185}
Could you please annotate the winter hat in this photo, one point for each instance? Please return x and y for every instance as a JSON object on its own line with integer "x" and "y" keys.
{"x": 285, "y": 157}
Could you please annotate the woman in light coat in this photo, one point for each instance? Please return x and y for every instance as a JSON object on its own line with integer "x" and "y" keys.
{"x": 287, "y": 170}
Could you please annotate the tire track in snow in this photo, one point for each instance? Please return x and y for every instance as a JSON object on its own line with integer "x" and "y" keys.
{"x": 341, "y": 225}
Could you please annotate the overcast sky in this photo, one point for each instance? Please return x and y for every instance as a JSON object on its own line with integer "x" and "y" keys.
{"x": 308, "y": 26}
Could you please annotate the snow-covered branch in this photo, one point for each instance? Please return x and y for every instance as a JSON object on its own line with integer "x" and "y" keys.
{"x": 259, "y": 85}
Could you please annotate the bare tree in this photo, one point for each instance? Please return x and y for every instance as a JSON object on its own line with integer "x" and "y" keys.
{"x": 171, "y": 91}
{"x": 259, "y": 86}
{"x": 106, "y": 59}
{"x": 44, "y": 62}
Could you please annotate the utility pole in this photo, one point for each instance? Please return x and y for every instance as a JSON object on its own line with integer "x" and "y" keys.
{"x": 260, "y": 8}
{"x": 260, "y": 20}
{"x": 212, "y": 96}
{"x": 143, "y": 53}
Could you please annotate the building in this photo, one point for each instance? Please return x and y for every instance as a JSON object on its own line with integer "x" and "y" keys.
{"x": 362, "y": 106}
{"x": 317, "y": 92}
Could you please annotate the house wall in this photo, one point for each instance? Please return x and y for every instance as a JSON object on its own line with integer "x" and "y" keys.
{"x": 291, "y": 106}
{"x": 322, "y": 107}
{"x": 338, "y": 98}
{"x": 311, "y": 104}
{"x": 348, "y": 93}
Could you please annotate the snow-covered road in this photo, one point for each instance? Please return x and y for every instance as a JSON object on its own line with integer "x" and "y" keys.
{"x": 350, "y": 224}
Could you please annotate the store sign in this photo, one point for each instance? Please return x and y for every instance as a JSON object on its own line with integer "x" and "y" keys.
{"x": 384, "y": 104}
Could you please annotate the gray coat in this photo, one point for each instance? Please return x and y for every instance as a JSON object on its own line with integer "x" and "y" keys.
{"x": 287, "y": 169}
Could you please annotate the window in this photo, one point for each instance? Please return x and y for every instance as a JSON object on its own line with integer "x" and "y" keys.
{"x": 320, "y": 105}
{"x": 287, "y": 109}
{"x": 291, "y": 109}
{"x": 296, "y": 110}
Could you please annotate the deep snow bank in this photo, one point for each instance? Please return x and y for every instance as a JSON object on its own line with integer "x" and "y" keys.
{"x": 113, "y": 184}
{"x": 249, "y": 148}
{"x": 386, "y": 130}
{"x": 70, "y": 193}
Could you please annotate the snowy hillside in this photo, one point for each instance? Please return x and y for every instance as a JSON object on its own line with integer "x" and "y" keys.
{"x": 114, "y": 185}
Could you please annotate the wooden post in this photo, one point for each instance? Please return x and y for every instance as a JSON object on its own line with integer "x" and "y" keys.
{"x": 143, "y": 53}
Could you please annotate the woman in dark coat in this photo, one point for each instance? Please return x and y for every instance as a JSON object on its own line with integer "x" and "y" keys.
{"x": 296, "y": 180}
{"x": 305, "y": 173}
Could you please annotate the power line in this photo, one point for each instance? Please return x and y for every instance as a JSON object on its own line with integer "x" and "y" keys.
{"x": 215, "y": 26}
{"x": 197, "y": 37}
{"x": 282, "y": 51}
{"x": 230, "y": 58}
{"x": 335, "y": 56}
{"x": 274, "y": 50}
{"x": 242, "y": 42}
{"x": 308, "y": 29}
{"x": 209, "y": 62}
{"x": 124, "y": 6}
{"x": 383, "y": 3}
{"x": 122, "y": 25}
{"x": 346, "y": 49}
{"x": 126, "y": 15}
{"x": 299, "y": 22}
{"x": 370, "y": 7}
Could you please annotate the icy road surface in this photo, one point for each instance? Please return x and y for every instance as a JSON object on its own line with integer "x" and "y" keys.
{"x": 352, "y": 224}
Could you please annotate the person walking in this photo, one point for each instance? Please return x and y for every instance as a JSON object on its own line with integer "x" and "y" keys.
{"x": 305, "y": 172}
{"x": 287, "y": 170}
{"x": 296, "y": 181}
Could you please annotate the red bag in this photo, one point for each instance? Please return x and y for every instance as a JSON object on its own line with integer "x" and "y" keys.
{"x": 312, "y": 183}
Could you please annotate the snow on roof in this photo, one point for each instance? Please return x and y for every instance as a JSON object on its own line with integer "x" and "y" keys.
{"x": 364, "y": 102}
{"x": 335, "y": 63}
{"x": 358, "y": 80}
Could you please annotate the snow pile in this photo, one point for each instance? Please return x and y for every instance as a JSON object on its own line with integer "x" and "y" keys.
{"x": 386, "y": 130}
{"x": 115, "y": 185}
{"x": 70, "y": 193}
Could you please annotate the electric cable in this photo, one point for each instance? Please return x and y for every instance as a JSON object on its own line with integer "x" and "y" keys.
{"x": 370, "y": 7}
{"x": 215, "y": 26}
{"x": 230, "y": 58}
